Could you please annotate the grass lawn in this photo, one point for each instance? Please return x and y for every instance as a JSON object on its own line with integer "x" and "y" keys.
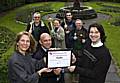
{"x": 113, "y": 32}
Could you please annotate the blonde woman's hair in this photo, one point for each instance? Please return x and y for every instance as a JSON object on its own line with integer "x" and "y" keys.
{"x": 32, "y": 47}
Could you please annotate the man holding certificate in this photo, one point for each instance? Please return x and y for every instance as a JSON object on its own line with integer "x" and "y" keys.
{"x": 59, "y": 58}
{"x": 53, "y": 76}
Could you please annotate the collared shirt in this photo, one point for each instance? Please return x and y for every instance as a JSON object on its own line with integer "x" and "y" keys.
{"x": 97, "y": 44}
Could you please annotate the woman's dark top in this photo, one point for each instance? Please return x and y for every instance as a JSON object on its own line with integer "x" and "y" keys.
{"x": 93, "y": 70}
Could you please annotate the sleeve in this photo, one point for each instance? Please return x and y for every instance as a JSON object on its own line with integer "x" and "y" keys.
{"x": 100, "y": 68}
{"x": 28, "y": 27}
{"x": 62, "y": 24}
{"x": 86, "y": 34}
{"x": 22, "y": 73}
{"x": 38, "y": 55}
{"x": 50, "y": 28}
{"x": 71, "y": 35}
{"x": 60, "y": 35}
{"x": 47, "y": 29}
{"x": 39, "y": 64}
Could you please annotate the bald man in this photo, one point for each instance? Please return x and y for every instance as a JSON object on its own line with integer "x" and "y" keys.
{"x": 46, "y": 42}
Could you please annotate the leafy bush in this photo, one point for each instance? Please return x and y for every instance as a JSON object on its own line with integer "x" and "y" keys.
{"x": 116, "y": 21}
{"x": 25, "y": 16}
{"x": 6, "y": 39}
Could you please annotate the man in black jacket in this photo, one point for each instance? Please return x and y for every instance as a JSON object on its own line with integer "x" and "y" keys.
{"x": 46, "y": 42}
{"x": 37, "y": 26}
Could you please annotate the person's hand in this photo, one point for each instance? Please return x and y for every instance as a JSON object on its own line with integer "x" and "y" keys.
{"x": 67, "y": 31}
{"x": 73, "y": 58}
{"x": 44, "y": 70}
{"x": 55, "y": 35}
{"x": 75, "y": 37}
{"x": 71, "y": 68}
{"x": 44, "y": 59}
{"x": 30, "y": 31}
{"x": 52, "y": 33}
{"x": 57, "y": 71}
{"x": 54, "y": 48}
{"x": 83, "y": 40}
{"x": 65, "y": 26}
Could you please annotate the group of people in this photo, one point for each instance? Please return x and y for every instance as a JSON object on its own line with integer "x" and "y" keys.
{"x": 90, "y": 58}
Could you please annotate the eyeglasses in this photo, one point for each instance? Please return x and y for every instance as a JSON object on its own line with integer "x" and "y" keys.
{"x": 68, "y": 15}
{"x": 36, "y": 17}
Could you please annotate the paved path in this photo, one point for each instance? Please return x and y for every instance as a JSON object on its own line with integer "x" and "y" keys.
{"x": 112, "y": 76}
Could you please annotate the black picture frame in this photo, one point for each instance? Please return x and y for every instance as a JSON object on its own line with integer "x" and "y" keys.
{"x": 59, "y": 58}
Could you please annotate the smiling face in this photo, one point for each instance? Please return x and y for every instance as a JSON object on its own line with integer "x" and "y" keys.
{"x": 78, "y": 24}
{"x": 23, "y": 44}
{"x": 94, "y": 34}
{"x": 45, "y": 40}
{"x": 37, "y": 18}
{"x": 69, "y": 16}
{"x": 56, "y": 23}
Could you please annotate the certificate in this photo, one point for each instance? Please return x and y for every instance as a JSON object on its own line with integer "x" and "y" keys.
{"x": 59, "y": 58}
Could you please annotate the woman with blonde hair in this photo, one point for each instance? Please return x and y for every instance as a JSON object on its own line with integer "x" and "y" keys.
{"x": 21, "y": 66}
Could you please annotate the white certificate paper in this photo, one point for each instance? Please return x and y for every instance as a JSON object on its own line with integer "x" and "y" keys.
{"x": 59, "y": 58}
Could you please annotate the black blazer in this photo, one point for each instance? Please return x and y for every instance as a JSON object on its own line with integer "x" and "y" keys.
{"x": 93, "y": 71}
{"x": 46, "y": 77}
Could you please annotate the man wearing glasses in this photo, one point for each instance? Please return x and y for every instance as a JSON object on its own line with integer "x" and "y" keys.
{"x": 69, "y": 25}
{"x": 36, "y": 27}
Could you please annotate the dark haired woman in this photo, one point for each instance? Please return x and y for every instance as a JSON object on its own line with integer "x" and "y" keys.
{"x": 93, "y": 65}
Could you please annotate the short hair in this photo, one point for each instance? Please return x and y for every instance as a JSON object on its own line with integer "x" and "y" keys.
{"x": 32, "y": 41}
{"x": 57, "y": 19}
{"x": 100, "y": 29}
{"x": 43, "y": 35}
{"x": 36, "y": 14}
{"x": 79, "y": 20}
{"x": 68, "y": 12}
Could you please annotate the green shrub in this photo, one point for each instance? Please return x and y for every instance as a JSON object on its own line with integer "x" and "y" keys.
{"x": 6, "y": 39}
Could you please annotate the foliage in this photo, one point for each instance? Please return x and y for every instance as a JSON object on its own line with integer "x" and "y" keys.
{"x": 112, "y": 0}
{"x": 6, "y": 39}
{"x": 27, "y": 14}
{"x": 116, "y": 21}
{"x": 10, "y": 4}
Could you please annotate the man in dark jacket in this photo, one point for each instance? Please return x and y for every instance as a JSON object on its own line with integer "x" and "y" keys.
{"x": 37, "y": 26}
{"x": 46, "y": 42}
{"x": 69, "y": 25}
